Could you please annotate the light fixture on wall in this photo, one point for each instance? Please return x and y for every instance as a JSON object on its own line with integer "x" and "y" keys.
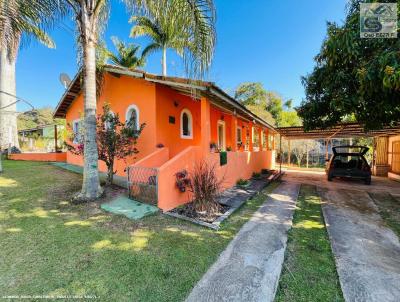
{"x": 176, "y": 103}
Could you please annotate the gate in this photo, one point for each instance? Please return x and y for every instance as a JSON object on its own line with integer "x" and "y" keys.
{"x": 143, "y": 184}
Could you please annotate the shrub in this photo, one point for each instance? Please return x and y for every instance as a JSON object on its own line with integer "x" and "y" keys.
{"x": 264, "y": 171}
{"x": 256, "y": 175}
{"x": 242, "y": 182}
{"x": 206, "y": 187}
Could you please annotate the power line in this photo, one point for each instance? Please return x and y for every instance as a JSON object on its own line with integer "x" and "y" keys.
{"x": 18, "y": 100}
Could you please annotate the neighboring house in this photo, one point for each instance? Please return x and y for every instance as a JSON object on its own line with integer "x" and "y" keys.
{"x": 391, "y": 162}
{"x": 41, "y": 138}
{"x": 184, "y": 117}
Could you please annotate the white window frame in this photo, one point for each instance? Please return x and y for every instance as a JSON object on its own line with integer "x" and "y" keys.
{"x": 241, "y": 135}
{"x": 223, "y": 147}
{"x": 127, "y": 114}
{"x": 190, "y": 126}
{"x": 76, "y": 134}
{"x": 106, "y": 125}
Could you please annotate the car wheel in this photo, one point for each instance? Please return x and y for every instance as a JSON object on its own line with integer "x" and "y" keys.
{"x": 330, "y": 178}
{"x": 368, "y": 181}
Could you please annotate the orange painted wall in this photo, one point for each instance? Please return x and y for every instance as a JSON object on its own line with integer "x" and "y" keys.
{"x": 155, "y": 159}
{"x": 170, "y": 103}
{"x": 120, "y": 92}
{"x": 60, "y": 157}
{"x": 169, "y": 196}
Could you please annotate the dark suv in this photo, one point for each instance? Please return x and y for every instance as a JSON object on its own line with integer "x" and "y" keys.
{"x": 349, "y": 162}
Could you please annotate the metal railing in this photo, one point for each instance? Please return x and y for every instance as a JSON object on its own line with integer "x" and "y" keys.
{"x": 143, "y": 184}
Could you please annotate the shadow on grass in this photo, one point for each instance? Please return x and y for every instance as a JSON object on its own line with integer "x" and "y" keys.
{"x": 51, "y": 247}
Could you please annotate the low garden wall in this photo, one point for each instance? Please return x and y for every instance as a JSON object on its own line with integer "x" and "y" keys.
{"x": 59, "y": 157}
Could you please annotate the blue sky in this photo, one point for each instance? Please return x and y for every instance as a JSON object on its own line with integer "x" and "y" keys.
{"x": 273, "y": 42}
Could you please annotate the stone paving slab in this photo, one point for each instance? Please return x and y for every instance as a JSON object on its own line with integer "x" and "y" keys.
{"x": 366, "y": 251}
{"x": 132, "y": 209}
{"x": 249, "y": 268}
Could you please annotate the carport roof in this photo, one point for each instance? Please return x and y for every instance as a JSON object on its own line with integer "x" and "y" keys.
{"x": 341, "y": 130}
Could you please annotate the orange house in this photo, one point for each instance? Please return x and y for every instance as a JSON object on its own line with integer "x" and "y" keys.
{"x": 185, "y": 120}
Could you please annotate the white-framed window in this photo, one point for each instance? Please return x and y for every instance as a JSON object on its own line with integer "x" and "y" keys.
{"x": 186, "y": 124}
{"x": 239, "y": 135}
{"x": 221, "y": 135}
{"x": 76, "y": 128}
{"x": 132, "y": 116}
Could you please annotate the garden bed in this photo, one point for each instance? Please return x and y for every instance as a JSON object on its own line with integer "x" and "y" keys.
{"x": 230, "y": 200}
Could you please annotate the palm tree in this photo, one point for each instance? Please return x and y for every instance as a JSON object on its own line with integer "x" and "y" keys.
{"x": 91, "y": 17}
{"x": 20, "y": 21}
{"x": 169, "y": 27}
{"x": 126, "y": 55}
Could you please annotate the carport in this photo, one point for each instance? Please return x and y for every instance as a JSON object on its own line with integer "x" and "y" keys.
{"x": 385, "y": 157}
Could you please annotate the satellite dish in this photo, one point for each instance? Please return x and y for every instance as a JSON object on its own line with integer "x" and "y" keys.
{"x": 65, "y": 80}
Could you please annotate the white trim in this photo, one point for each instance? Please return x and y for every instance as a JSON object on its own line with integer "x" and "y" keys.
{"x": 106, "y": 125}
{"x": 127, "y": 117}
{"x": 190, "y": 126}
{"x": 74, "y": 122}
{"x": 223, "y": 147}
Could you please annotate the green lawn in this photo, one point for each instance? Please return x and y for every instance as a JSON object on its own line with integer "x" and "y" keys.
{"x": 309, "y": 271}
{"x": 50, "y": 247}
{"x": 389, "y": 209}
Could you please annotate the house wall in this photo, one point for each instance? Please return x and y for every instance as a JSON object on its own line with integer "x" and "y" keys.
{"x": 120, "y": 93}
{"x": 170, "y": 103}
{"x": 390, "y": 156}
{"x": 59, "y": 157}
{"x": 156, "y": 104}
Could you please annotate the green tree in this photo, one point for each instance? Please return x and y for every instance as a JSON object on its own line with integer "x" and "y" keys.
{"x": 38, "y": 117}
{"x": 353, "y": 76}
{"x": 126, "y": 55}
{"x": 267, "y": 104}
{"x": 91, "y": 17}
{"x": 20, "y": 21}
{"x": 171, "y": 24}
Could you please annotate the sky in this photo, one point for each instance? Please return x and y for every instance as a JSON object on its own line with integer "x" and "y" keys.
{"x": 272, "y": 42}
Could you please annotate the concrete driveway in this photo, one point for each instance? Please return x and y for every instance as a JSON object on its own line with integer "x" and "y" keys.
{"x": 378, "y": 184}
{"x": 367, "y": 252}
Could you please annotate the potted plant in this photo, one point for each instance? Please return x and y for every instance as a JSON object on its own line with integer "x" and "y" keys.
{"x": 242, "y": 183}
{"x": 229, "y": 148}
{"x": 213, "y": 147}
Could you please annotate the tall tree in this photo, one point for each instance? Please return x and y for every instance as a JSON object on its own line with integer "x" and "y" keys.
{"x": 126, "y": 55}
{"x": 353, "y": 76}
{"x": 20, "y": 21}
{"x": 91, "y": 17}
{"x": 266, "y": 104}
{"x": 186, "y": 26}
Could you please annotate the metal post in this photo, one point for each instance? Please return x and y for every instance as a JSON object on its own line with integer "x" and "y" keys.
{"x": 280, "y": 153}
{"x": 55, "y": 138}
{"x": 307, "y": 156}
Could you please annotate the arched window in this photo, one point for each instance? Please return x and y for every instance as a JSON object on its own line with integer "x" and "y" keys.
{"x": 132, "y": 116}
{"x": 186, "y": 124}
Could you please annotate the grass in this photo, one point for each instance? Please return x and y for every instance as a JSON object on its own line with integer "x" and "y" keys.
{"x": 389, "y": 209}
{"x": 309, "y": 271}
{"x": 51, "y": 247}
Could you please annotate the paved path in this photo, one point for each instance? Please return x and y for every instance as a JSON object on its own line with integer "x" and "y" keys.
{"x": 367, "y": 253}
{"x": 249, "y": 268}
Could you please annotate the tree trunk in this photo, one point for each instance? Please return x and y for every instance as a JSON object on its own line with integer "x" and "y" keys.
{"x": 8, "y": 115}
{"x": 91, "y": 185}
{"x": 110, "y": 173}
{"x": 164, "y": 62}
